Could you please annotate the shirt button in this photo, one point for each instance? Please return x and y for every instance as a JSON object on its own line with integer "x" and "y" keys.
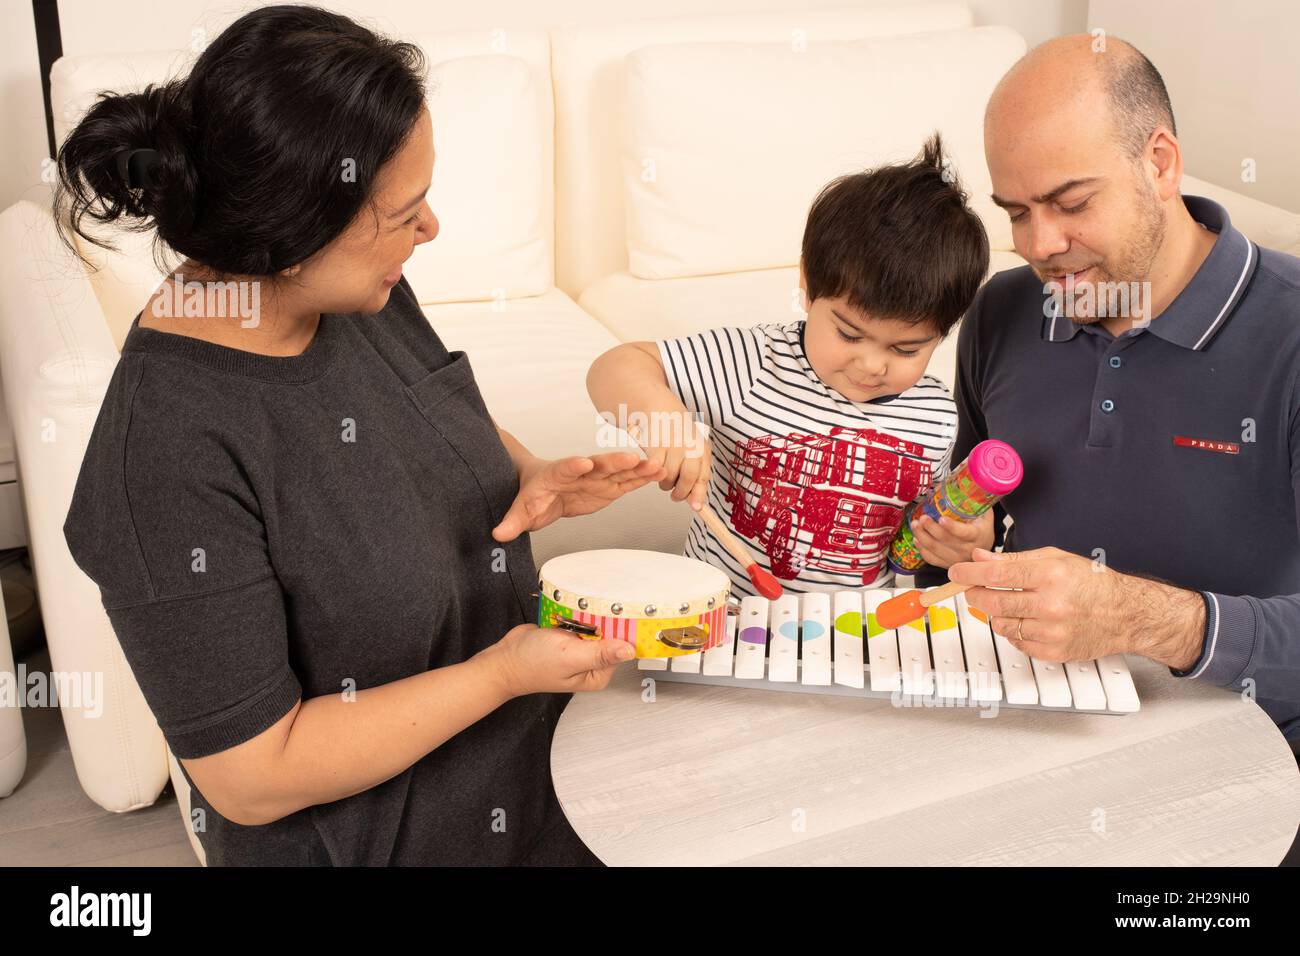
{"x": 1107, "y": 406}
{"x": 1116, "y": 361}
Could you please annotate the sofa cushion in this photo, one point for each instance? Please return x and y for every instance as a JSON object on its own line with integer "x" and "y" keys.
{"x": 588, "y": 67}
{"x": 489, "y": 97}
{"x": 727, "y": 144}
{"x": 489, "y": 187}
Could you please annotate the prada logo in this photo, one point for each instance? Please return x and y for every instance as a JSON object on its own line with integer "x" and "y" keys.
{"x": 1207, "y": 444}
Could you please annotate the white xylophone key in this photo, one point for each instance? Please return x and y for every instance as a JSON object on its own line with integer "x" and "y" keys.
{"x": 945, "y": 641}
{"x": 1017, "y": 671}
{"x": 1085, "y": 685}
{"x": 1053, "y": 685}
{"x": 881, "y": 648}
{"x": 815, "y": 638}
{"x": 652, "y": 664}
{"x": 848, "y": 639}
{"x": 783, "y": 645}
{"x": 686, "y": 663}
{"x": 751, "y": 638}
{"x": 914, "y": 658}
{"x": 1121, "y": 695}
{"x": 719, "y": 660}
{"x": 981, "y": 659}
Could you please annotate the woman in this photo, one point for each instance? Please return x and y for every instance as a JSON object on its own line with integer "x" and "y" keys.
{"x": 309, "y": 535}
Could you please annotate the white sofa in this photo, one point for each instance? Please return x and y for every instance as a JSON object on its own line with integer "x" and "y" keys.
{"x": 589, "y": 192}
{"x": 13, "y": 742}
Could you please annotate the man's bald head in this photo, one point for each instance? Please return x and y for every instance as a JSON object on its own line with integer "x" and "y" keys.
{"x": 1087, "y": 76}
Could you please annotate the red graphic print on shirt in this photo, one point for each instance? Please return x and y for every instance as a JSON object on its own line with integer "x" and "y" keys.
{"x": 825, "y": 501}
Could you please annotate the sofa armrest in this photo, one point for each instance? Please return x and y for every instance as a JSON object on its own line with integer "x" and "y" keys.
{"x": 1270, "y": 226}
{"x": 13, "y": 741}
{"x": 56, "y": 359}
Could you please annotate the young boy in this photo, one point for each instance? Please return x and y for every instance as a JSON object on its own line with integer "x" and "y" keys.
{"x": 821, "y": 431}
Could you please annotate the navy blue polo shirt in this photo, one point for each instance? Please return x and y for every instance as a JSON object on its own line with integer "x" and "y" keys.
{"x": 1171, "y": 450}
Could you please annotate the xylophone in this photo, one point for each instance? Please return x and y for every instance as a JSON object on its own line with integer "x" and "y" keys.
{"x": 830, "y": 643}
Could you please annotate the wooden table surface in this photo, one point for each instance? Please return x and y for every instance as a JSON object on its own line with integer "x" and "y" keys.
{"x": 718, "y": 775}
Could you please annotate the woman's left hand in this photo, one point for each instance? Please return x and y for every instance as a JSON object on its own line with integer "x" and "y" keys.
{"x": 572, "y": 486}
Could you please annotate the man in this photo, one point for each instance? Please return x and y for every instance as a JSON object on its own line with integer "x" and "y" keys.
{"x": 1160, "y": 428}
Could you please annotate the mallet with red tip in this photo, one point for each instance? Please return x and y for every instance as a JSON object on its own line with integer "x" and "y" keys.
{"x": 910, "y": 605}
{"x": 764, "y": 582}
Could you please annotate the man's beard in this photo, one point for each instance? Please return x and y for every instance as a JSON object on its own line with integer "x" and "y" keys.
{"x": 1131, "y": 267}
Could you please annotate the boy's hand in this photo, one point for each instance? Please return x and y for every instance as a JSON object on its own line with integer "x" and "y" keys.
{"x": 686, "y": 467}
{"x": 948, "y": 542}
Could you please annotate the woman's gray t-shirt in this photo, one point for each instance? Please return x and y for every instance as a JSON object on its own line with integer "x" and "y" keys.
{"x": 267, "y": 528}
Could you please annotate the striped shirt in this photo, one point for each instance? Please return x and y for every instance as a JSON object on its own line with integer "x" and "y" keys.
{"x": 812, "y": 483}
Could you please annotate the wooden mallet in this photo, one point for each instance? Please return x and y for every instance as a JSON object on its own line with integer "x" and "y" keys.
{"x": 764, "y": 582}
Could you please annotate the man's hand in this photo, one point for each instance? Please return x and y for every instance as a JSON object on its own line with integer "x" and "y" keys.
{"x": 572, "y": 486}
{"x": 948, "y": 541}
{"x": 1067, "y": 608}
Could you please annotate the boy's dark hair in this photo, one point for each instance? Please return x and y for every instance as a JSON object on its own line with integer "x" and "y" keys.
{"x": 252, "y": 144}
{"x": 899, "y": 242}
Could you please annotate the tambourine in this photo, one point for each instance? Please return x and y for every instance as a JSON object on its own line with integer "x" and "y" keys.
{"x": 664, "y": 605}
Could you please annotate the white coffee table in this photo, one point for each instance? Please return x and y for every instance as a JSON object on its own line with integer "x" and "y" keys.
{"x": 714, "y": 775}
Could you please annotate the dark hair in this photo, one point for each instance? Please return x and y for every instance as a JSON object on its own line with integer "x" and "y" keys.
{"x": 899, "y": 242}
{"x": 251, "y": 144}
{"x": 1137, "y": 96}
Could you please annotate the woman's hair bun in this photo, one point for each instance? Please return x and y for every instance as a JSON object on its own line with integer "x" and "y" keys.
{"x": 92, "y": 161}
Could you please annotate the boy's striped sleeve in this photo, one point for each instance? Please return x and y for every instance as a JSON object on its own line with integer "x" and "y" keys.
{"x": 713, "y": 371}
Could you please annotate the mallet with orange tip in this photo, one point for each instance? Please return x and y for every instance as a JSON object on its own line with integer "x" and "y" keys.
{"x": 910, "y": 605}
{"x": 764, "y": 582}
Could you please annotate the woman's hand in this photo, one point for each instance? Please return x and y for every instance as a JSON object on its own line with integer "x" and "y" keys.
{"x": 946, "y": 542}
{"x": 544, "y": 660}
{"x": 572, "y": 486}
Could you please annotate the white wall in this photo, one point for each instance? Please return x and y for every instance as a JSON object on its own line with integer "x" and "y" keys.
{"x": 22, "y": 110}
{"x": 1233, "y": 74}
{"x": 95, "y": 26}
{"x": 1230, "y": 67}
{"x": 1035, "y": 20}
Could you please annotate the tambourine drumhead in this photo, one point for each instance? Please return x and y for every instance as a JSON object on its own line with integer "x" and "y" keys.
{"x": 634, "y": 578}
